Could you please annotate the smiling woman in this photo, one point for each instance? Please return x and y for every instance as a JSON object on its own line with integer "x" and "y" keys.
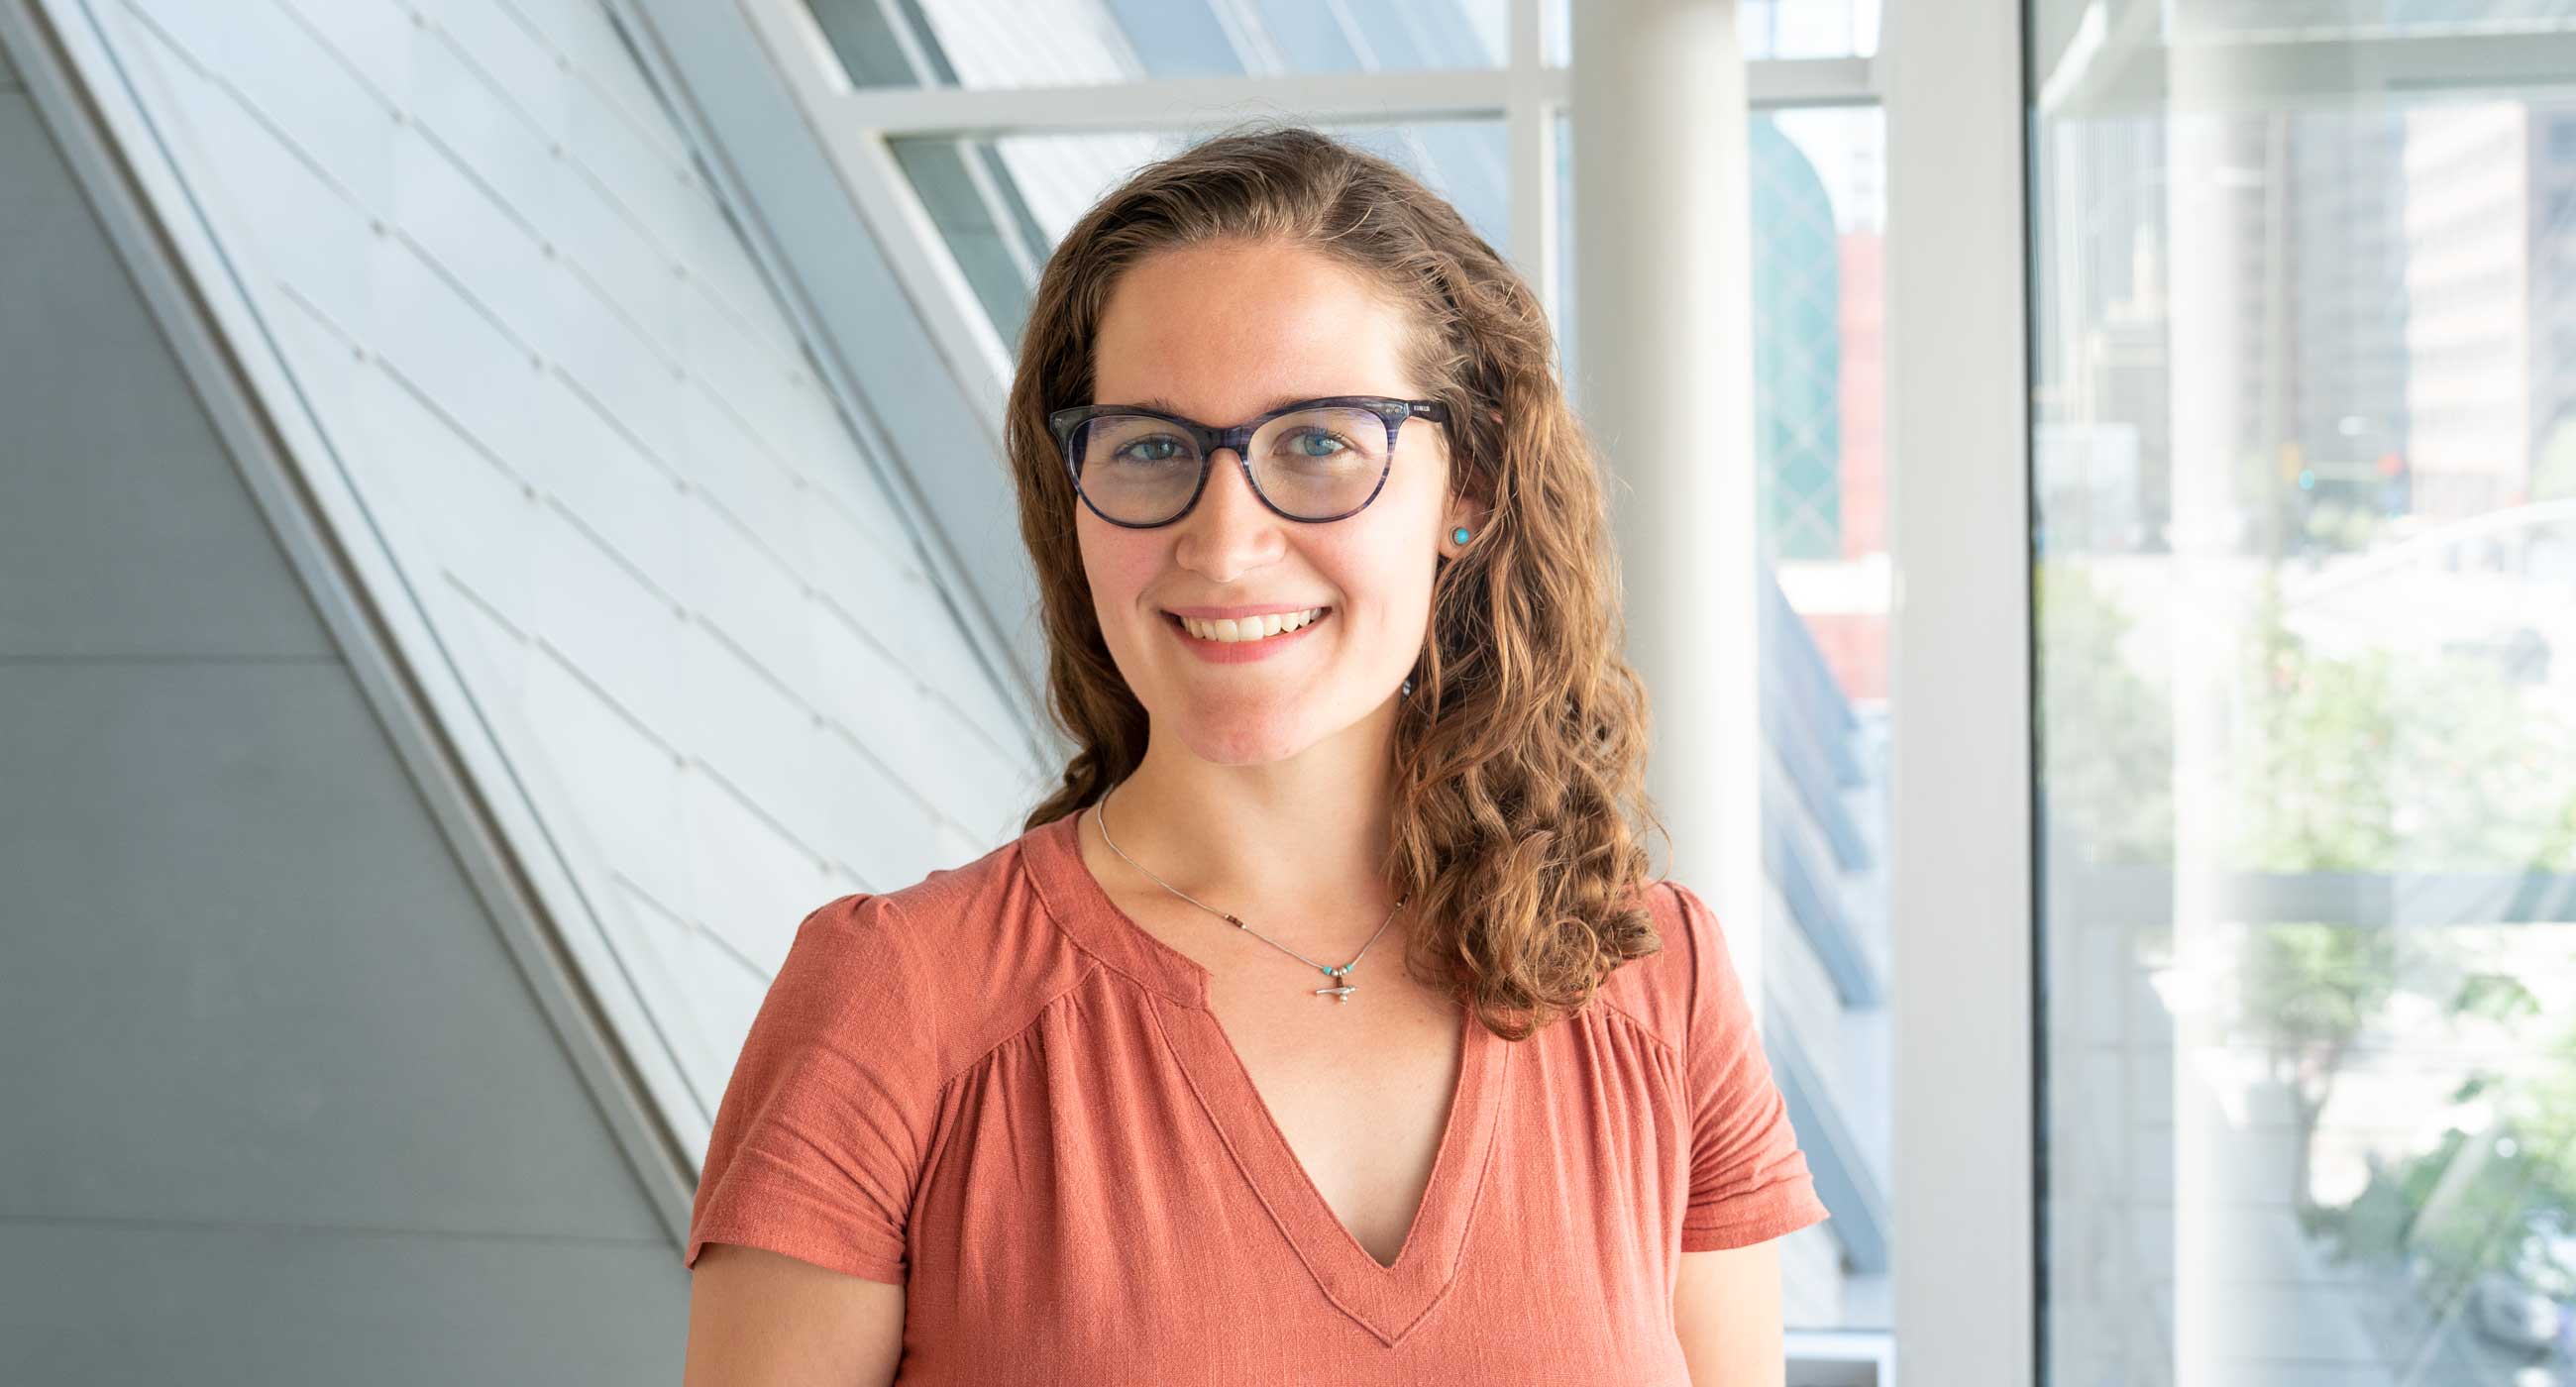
{"x": 1345, "y": 670}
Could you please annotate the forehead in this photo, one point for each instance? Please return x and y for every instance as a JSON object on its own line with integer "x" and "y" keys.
{"x": 1225, "y": 332}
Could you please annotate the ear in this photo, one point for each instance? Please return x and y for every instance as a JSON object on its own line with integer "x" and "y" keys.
{"x": 1467, "y": 511}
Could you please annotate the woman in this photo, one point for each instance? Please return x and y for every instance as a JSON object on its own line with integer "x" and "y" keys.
{"x": 1323, "y": 1025}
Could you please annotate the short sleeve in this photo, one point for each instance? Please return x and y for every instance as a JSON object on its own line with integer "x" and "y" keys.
{"x": 1749, "y": 1180}
{"x": 825, "y": 1125}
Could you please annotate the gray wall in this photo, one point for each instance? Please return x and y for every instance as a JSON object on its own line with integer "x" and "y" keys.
{"x": 280, "y": 1107}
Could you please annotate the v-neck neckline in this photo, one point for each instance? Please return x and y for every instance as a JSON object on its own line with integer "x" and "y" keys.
{"x": 1387, "y": 1300}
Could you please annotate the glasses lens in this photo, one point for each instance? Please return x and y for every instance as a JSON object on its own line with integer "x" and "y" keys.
{"x": 1135, "y": 468}
{"x": 1320, "y": 463}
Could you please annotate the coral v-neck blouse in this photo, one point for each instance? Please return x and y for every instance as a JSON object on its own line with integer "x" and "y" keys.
{"x": 997, "y": 1090}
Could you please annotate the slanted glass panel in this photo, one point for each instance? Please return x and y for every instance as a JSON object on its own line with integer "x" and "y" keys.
{"x": 675, "y": 594}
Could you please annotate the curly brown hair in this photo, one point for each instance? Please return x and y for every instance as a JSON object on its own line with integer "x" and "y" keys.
{"x": 1520, "y": 759}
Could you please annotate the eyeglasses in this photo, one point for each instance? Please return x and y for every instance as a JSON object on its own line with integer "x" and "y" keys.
{"x": 1312, "y": 461}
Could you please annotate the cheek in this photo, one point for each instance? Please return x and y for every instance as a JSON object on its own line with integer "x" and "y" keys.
{"x": 1387, "y": 583}
{"x": 1109, "y": 560}
{"x": 1117, "y": 566}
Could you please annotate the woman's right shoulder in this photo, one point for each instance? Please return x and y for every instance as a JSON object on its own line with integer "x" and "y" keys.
{"x": 948, "y": 913}
{"x": 959, "y": 953}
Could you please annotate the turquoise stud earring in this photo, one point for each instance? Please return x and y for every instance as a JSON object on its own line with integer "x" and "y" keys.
{"x": 1459, "y": 534}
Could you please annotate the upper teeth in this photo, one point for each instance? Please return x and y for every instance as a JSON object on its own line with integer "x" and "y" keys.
{"x": 1250, "y": 628}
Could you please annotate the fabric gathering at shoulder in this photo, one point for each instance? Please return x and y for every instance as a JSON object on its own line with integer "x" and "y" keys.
{"x": 1749, "y": 1181}
{"x": 824, "y": 1128}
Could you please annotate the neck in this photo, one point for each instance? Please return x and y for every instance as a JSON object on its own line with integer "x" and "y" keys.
{"x": 1299, "y": 839}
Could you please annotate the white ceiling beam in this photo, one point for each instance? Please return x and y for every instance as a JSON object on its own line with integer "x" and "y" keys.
{"x": 1187, "y": 103}
{"x": 1178, "y": 103}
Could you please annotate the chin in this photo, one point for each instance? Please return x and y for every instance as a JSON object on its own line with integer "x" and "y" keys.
{"x": 1237, "y": 746}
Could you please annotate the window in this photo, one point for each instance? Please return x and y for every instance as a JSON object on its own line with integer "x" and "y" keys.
{"x": 2306, "y": 715}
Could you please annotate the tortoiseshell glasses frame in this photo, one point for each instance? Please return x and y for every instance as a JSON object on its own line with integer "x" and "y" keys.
{"x": 1068, "y": 423}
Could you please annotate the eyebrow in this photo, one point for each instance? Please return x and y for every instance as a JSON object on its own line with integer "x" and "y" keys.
{"x": 1162, "y": 406}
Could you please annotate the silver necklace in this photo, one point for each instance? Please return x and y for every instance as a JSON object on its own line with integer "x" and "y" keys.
{"x": 1339, "y": 991}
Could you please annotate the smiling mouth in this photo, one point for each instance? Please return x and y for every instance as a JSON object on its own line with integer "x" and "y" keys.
{"x": 1249, "y": 630}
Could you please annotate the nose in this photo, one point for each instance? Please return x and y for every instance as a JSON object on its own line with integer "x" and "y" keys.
{"x": 1230, "y": 529}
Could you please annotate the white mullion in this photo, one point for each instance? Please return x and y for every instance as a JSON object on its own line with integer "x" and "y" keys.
{"x": 911, "y": 241}
{"x": 1530, "y": 121}
{"x": 1523, "y": 47}
{"x": 1172, "y": 103}
{"x": 1958, "y": 436}
{"x": 1185, "y": 103}
{"x": 918, "y": 250}
{"x": 1776, "y": 83}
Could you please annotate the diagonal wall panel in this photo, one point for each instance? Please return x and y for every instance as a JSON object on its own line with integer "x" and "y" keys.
{"x": 664, "y": 571}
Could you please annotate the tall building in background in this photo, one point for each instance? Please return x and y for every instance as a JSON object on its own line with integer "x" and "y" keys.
{"x": 2490, "y": 196}
{"x": 2343, "y": 211}
{"x": 1797, "y": 351}
{"x": 2552, "y": 144}
{"x": 2467, "y": 192}
{"x": 2320, "y": 410}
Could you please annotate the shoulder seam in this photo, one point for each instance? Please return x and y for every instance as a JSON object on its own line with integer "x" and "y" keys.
{"x": 1035, "y": 1016}
{"x": 1021, "y": 1029}
{"x": 938, "y": 1152}
{"x": 1632, "y": 1019}
{"x": 1680, "y": 1050}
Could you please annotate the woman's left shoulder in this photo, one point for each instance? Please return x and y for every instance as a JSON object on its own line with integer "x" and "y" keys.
{"x": 1654, "y": 989}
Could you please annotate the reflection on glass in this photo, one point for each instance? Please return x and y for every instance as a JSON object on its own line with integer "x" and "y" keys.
{"x": 1013, "y": 43}
{"x": 2299, "y": 20}
{"x": 2305, "y": 489}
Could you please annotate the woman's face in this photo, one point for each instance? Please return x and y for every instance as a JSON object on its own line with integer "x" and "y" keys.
{"x": 1222, "y": 334}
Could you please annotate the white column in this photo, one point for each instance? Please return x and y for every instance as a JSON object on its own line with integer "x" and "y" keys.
{"x": 1662, "y": 271}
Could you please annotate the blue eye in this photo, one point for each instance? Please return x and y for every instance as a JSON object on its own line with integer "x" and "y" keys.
{"x": 1303, "y": 435}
